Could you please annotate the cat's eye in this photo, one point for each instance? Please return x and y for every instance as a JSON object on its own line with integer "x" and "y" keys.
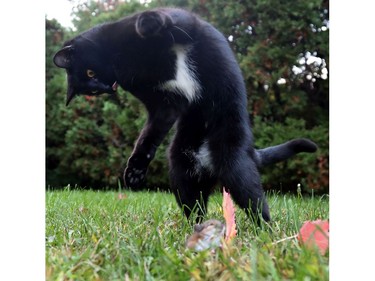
{"x": 90, "y": 73}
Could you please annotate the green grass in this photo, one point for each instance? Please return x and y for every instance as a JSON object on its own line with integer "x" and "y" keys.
{"x": 96, "y": 236}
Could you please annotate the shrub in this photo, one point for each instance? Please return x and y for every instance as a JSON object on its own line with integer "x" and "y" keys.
{"x": 310, "y": 170}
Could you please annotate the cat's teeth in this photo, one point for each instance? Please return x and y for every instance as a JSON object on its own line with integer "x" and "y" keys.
{"x": 115, "y": 86}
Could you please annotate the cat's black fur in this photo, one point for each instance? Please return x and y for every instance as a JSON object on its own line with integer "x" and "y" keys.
{"x": 184, "y": 72}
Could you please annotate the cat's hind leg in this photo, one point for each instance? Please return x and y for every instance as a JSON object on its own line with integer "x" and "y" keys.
{"x": 241, "y": 178}
{"x": 190, "y": 186}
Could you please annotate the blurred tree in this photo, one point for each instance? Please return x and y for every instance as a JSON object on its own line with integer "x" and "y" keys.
{"x": 282, "y": 48}
{"x": 88, "y": 13}
{"x": 56, "y": 123}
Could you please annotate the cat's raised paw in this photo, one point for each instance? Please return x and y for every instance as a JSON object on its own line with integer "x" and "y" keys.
{"x": 134, "y": 177}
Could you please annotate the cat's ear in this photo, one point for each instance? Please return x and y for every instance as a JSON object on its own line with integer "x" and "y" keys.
{"x": 150, "y": 23}
{"x": 63, "y": 57}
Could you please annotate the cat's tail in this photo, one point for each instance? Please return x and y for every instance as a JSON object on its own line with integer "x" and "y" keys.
{"x": 281, "y": 152}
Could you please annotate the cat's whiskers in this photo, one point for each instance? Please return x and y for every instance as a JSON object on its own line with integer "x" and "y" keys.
{"x": 187, "y": 34}
{"x": 174, "y": 41}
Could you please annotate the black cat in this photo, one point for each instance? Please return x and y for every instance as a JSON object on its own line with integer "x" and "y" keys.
{"x": 184, "y": 72}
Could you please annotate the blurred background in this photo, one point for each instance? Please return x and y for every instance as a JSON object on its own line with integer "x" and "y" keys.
{"x": 283, "y": 51}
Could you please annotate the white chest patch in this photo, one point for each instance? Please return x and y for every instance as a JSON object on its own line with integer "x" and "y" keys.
{"x": 185, "y": 82}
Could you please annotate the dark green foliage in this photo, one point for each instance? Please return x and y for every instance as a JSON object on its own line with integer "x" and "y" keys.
{"x": 89, "y": 142}
{"x": 98, "y": 137}
{"x": 309, "y": 170}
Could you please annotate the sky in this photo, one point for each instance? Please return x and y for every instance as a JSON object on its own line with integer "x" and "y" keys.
{"x": 60, "y": 10}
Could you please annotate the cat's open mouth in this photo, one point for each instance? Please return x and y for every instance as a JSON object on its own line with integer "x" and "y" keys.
{"x": 114, "y": 88}
{"x": 107, "y": 89}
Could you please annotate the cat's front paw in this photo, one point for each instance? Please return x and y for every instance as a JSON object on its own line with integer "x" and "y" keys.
{"x": 134, "y": 177}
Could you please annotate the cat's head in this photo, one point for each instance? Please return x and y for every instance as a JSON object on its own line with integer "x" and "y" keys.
{"x": 95, "y": 63}
{"x": 88, "y": 72}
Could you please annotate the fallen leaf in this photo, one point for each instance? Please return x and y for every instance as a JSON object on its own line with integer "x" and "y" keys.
{"x": 50, "y": 239}
{"x": 82, "y": 209}
{"x": 121, "y": 196}
{"x": 229, "y": 216}
{"x": 315, "y": 233}
{"x": 94, "y": 239}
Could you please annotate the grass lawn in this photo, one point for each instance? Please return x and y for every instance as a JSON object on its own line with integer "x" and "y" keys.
{"x": 98, "y": 236}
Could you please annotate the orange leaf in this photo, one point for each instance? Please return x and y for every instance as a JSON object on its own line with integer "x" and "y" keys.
{"x": 315, "y": 233}
{"x": 121, "y": 196}
{"x": 229, "y": 216}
